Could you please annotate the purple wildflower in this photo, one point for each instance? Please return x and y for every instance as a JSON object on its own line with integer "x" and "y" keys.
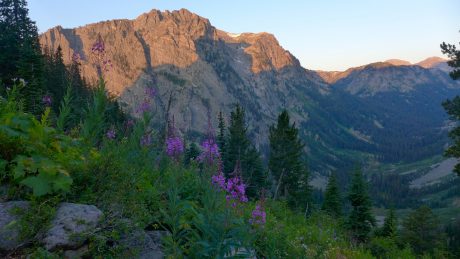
{"x": 47, "y": 100}
{"x": 99, "y": 56}
{"x": 219, "y": 180}
{"x": 130, "y": 123}
{"x": 209, "y": 146}
{"x": 76, "y": 58}
{"x": 144, "y": 107}
{"x": 236, "y": 190}
{"x": 111, "y": 134}
{"x": 98, "y": 47}
{"x": 258, "y": 215}
{"x": 210, "y": 151}
{"x": 174, "y": 146}
{"x": 151, "y": 92}
{"x": 146, "y": 140}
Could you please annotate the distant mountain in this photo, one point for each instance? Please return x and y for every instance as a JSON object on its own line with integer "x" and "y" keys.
{"x": 431, "y": 62}
{"x": 377, "y": 112}
{"x": 398, "y": 62}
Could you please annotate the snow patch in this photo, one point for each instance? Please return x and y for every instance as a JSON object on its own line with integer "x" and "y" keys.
{"x": 233, "y": 35}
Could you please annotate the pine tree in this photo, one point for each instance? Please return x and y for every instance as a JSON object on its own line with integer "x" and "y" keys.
{"x": 390, "y": 225}
{"x": 332, "y": 200}
{"x": 361, "y": 220}
{"x": 20, "y": 54}
{"x": 238, "y": 147}
{"x": 285, "y": 162}
{"x": 191, "y": 153}
{"x": 452, "y": 107}
{"x": 221, "y": 134}
{"x": 421, "y": 231}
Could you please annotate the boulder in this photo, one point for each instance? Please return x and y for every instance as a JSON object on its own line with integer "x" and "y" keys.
{"x": 71, "y": 225}
{"x": 147, "y": 244}
{"x": 9, "y": 229}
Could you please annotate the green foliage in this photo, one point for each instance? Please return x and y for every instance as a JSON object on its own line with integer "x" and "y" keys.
{"x": 36, "y": 218}
{"x": 332, "y": 199}
{"x": 454, "y": 55}
{"x": 221, "y": 134}
{"x": 421, "y": 230}
{"x": 285, "y": 162}
{"x": 390, "y": 225}
{"x": 288, "y": 234}
{"x": 452, "y": 107}
{"x": 239, "y": 148}
{"x": 95, "y": 118}
{"x": 36, "y": 155}
{"x": 386, "y": 247}
{"x": 64, "y": 110}
{"x": 20, "y": 56}
{"x": 191, "y": 153}
{"x": 360, "y": 220}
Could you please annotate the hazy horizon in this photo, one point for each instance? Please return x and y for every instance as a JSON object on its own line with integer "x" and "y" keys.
{"x": 330, "y": 36}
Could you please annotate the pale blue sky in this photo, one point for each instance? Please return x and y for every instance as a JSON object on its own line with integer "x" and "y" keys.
{"x": 322, "y": 34}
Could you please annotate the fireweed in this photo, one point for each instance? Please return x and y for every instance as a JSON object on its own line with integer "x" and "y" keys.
{"x": 99, "y": 56}
{"x": 258, "y": 215}
{"x": 146, "y": 140}
{"x": 111, "y": 134}
{"x": 210, "y": 150}
{"x": 174, "y": 144}
{"x": 144, "y": 107}
{"x": 234, "y": 187}
{"x": 46, "y": 100}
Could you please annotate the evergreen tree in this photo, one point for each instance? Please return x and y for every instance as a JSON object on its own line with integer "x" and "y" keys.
{"x": 221, "y": 134}
{"x": 238, "y": 147}
{"x": 454, "y": 55}
{"x": 453, "y": 106}
{"x": 421, "y": 231}
{"x": 332, "y": 200}
{"x": 20, "y": 54}
{"x": 191, "y": 153}
{"x": 390, "y": 225}
{"x": 285, "y": 162}
{"x": 361, "y": 220}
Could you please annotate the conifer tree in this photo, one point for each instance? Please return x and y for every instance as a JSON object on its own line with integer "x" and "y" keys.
{"x": 221, "y": 134}
{"x": 20, "y": 54}
{"x": 390, "y": 225}
{"x": 421, "y": 231}
{"x": 332, "y": 200}
{"x": 285, "y": 162}
{"x": 452, "y": 106}
{"x": 361, "y": 220}
{"x": 238, "y": 147}
{"x": 191, "y": 153}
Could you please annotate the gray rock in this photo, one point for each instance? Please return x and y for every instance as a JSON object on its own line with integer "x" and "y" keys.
{"x": 76, "y": 254}
{"x": 9, "y": 229}
{"x": 70, "y": 225}
{"x": 147, "y": 244}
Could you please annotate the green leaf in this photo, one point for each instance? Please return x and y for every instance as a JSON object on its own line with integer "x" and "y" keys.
{"x": 3, "y": 164}
{"x": 40, "y": 185}
{"x": 62, "y": 182}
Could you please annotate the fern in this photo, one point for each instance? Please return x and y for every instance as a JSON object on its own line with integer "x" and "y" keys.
{"x": 64, "y": 110}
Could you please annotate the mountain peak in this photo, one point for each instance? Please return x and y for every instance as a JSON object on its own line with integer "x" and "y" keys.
{"x": 431, "y": 62}
{"x": 398, "y": 62}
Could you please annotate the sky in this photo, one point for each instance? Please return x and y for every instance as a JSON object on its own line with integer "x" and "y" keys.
{"x": 322, "y": 34}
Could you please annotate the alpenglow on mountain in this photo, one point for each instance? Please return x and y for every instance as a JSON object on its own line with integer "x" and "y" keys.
{"x": 381, "y": 111}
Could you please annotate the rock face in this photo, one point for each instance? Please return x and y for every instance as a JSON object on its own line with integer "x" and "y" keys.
{"x": 201, "y": 70}
{"x": 9, "y": 230}
{"x": 184, "y": 56}
{"x": 71, "y": 223}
